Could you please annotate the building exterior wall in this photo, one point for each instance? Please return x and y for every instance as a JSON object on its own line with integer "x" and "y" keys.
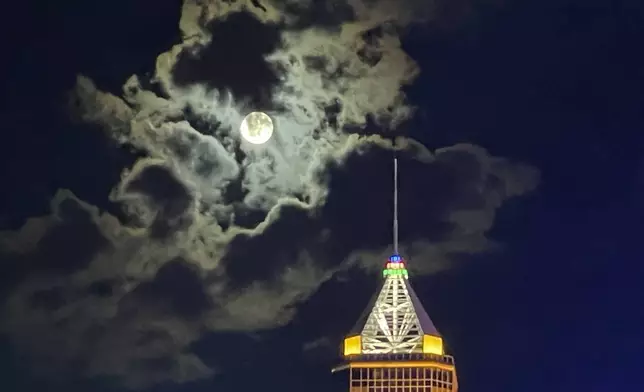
{"x": 404, "y": 379}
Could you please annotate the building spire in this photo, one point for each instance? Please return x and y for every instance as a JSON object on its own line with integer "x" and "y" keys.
{"x": 395, "y": 206}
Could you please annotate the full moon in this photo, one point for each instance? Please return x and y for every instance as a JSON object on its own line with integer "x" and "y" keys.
{"x": 256, "y": 128}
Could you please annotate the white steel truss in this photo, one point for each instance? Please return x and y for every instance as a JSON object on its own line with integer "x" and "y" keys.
{"x": 393, "y": 325}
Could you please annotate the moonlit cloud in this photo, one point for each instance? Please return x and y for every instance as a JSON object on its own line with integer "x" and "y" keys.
{"x": 219, "y": 236}
{"x": 354, "y": 70}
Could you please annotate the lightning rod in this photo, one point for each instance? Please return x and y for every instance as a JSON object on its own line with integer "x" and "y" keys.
{"x": 395, "y": 206}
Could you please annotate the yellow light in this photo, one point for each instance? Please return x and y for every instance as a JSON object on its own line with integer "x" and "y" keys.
{"x": 401, "y": 364}
{"x": 352, "y": 345}
{"x": 433, "y": 345}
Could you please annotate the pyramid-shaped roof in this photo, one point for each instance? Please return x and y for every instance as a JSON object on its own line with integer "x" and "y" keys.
{"x": 395, "y": 321}
{"x": 426, "y": 324}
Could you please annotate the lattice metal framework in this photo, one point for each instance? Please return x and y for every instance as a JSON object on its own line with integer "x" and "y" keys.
{"x": 393, "y": 326}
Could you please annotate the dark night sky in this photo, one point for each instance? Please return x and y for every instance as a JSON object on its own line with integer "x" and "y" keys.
{"x": 557, "y": 84}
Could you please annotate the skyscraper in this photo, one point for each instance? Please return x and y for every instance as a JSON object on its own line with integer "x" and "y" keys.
{"x": 395, "y": 345}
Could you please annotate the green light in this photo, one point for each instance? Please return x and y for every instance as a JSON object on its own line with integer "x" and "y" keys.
{"x": 396, "y": 272}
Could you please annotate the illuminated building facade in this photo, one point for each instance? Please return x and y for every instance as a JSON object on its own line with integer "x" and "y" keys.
{"x": 395, "y": 346}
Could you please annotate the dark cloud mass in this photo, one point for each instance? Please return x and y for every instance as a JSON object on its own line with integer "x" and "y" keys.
{"x": 177, "y": 285}
{"x": 169, "y": 197}
{"x": 232, "y": 60}
{"x": 136, "y": 292}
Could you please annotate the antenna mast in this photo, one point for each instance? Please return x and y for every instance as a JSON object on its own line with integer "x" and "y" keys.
{"x": 395, "y": 205}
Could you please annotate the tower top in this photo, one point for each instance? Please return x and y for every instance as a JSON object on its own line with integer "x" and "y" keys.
{"x": 395, "y": 333}
{"x": 395, "y": 322}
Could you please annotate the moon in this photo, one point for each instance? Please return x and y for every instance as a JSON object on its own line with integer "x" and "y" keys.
{"x": 256, "y": 128}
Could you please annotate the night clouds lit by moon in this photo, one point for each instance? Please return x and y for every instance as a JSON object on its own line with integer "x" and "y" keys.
{"x": 198, "y": 194}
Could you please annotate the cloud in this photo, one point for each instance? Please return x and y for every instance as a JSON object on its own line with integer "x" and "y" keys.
{"x": 314, "y": 81}
{"x": 219, "y": 236}
{"x": 136, "y": 301}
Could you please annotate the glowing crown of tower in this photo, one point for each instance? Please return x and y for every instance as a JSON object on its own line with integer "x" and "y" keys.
{"x": 395, "y": 322}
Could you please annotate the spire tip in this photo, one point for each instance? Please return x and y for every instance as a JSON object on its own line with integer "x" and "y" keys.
{"x": 395, "y": 206}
